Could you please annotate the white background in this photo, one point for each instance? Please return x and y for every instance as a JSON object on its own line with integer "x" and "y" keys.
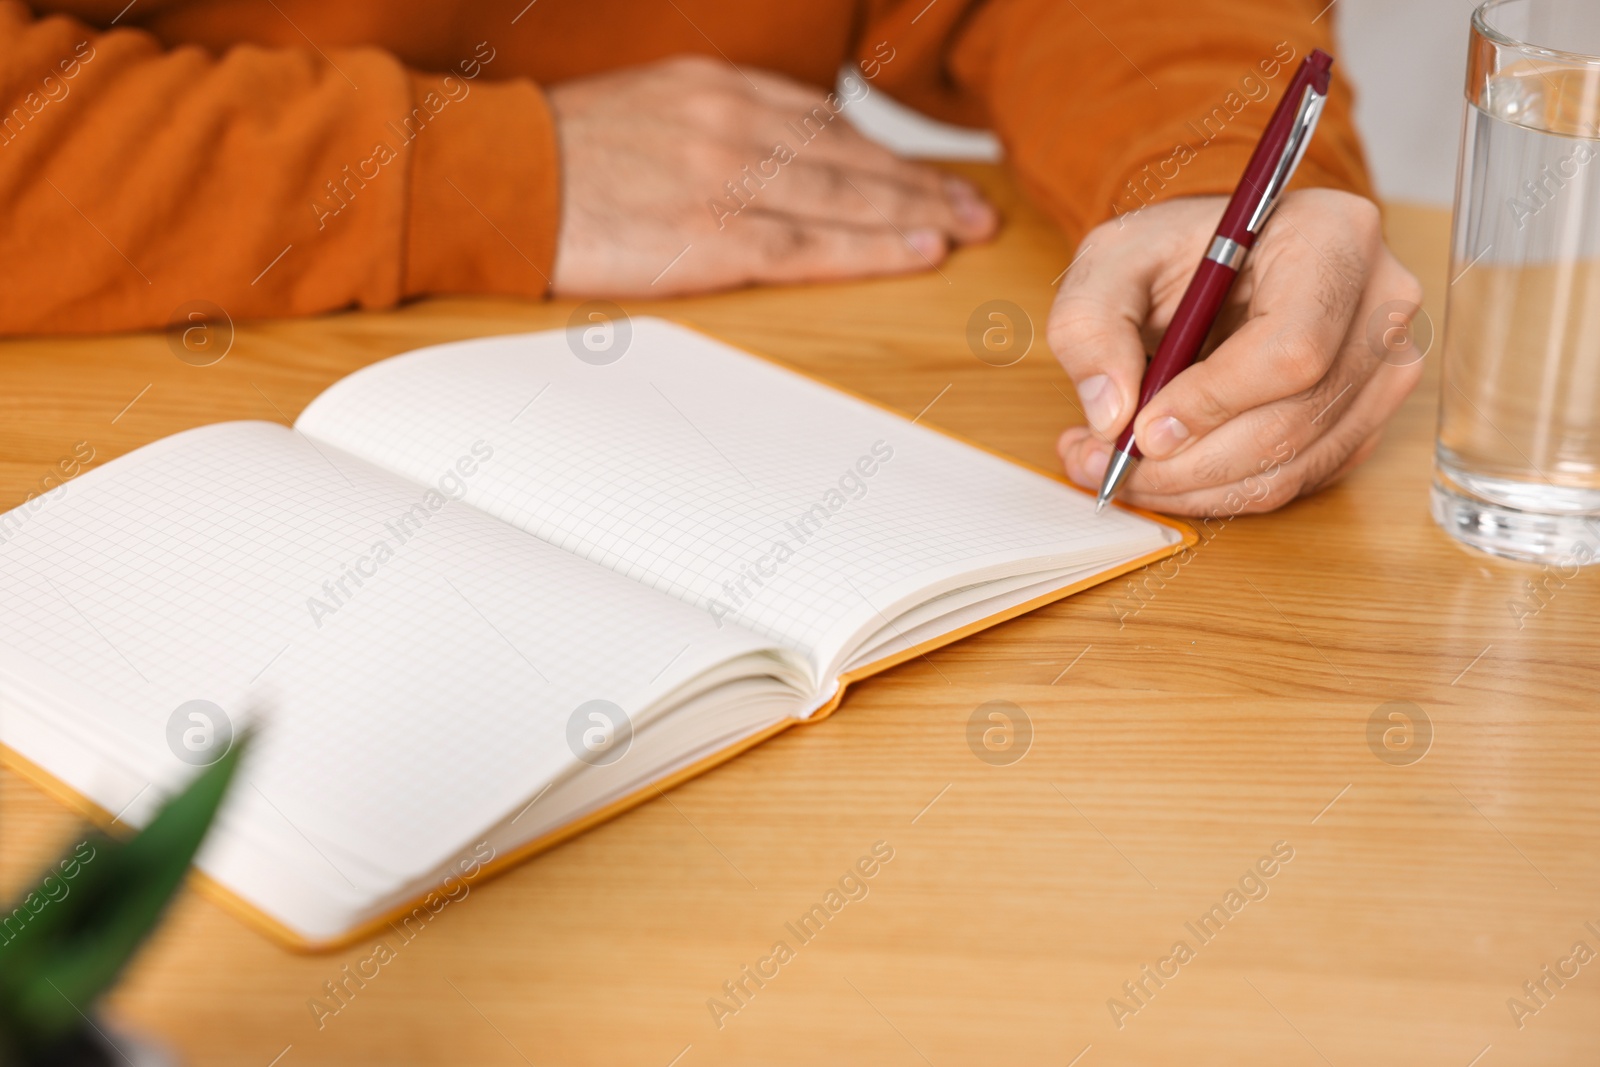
{"x": 1406, "y": 58}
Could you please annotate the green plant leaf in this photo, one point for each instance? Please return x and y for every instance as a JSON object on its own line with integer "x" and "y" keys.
{"x": 64, "y": 943}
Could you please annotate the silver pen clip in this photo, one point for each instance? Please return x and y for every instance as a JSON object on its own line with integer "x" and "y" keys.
{"x": 1305, "y": 121}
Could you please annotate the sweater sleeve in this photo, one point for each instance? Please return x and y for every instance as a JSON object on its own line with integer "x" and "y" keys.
{"x": 1105, "y": 106}
{"x": 271, "y": 182}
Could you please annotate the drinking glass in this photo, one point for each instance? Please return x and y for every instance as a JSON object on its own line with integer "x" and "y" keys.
{"x": 1517, "y": 463}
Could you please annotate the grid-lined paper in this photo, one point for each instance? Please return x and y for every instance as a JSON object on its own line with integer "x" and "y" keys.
{"x": 433, "y": 700}
{"x": 685, "y": 464}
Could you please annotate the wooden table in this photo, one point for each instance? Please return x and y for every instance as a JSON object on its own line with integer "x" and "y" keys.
{"x": 1172, "y": 749}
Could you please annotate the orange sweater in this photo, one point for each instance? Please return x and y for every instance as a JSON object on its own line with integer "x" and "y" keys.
{"x": 286, "y": 157}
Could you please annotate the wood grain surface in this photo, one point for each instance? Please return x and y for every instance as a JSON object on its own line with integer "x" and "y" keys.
{"x": 1177, "y": 736}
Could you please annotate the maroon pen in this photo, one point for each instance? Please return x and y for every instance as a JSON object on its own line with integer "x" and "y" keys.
{"x": 1282, "y": 144}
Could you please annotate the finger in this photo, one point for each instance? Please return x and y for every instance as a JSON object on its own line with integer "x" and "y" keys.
{"x": 841, "y": 168}
{"x": 1234, "y": 449}
{"x": 807, "y": 128}
{"x": 772, "y": 107}
{"x": 1095, "y": 329}
{"x": 1271, "y": 488}
{"x": 857, "y": 198}
{"x": 1306, "y": 291}
{"x": 871, "y": 167}
{"x": 1119, "y": 292}
{"x": 811, "y": 128}
{"x": 1256, "y": 456}
{"x": 783, "y": 249}
{"x": 1277, "y": 485}
{"x": 1084, "y": 456}
{"x": 778, "y": 90}
{"x": 1362, "y": 453}
{"x": 1273, "y": 432}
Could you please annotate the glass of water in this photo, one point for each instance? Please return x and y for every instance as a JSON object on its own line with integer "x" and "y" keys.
{"x": 1517, "y": 465}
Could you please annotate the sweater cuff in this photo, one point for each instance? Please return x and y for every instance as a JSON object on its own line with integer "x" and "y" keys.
{"x": 1194, "y": 168}
{"x": 484, "y": 205}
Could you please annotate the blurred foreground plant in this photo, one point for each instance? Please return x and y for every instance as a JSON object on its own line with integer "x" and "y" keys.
{"x": 65, "y": 941}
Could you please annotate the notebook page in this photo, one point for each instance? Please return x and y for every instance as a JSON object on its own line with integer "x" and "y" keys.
{"x": 755, "y": 494}
{"x": 405, "y": 711}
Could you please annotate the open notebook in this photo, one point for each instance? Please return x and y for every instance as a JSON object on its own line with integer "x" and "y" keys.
{"x": 430, "y": 581}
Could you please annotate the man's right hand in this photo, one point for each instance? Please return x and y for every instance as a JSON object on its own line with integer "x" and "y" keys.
{"x": 647, "y": 151}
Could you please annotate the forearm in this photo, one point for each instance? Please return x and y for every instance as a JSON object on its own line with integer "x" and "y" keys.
{"x": 262, "y": 180}
{"x": 1105, "y": 107}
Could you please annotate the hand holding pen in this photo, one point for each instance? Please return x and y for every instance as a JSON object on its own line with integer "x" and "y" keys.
{"x": 1299, "y": 383}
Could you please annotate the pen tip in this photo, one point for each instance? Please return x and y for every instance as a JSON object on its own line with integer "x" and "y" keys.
{"x": 1116, "y": 471}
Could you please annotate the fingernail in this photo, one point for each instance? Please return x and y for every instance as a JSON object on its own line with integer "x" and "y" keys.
{"x": 930, "y": 243}
{"x": 1162, "y": 436}
{"x": 1100, "y": 402}
{"x": 966, "y": 203}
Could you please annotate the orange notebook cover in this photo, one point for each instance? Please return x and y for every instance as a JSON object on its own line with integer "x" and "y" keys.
{"x": 381, "y": 416}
